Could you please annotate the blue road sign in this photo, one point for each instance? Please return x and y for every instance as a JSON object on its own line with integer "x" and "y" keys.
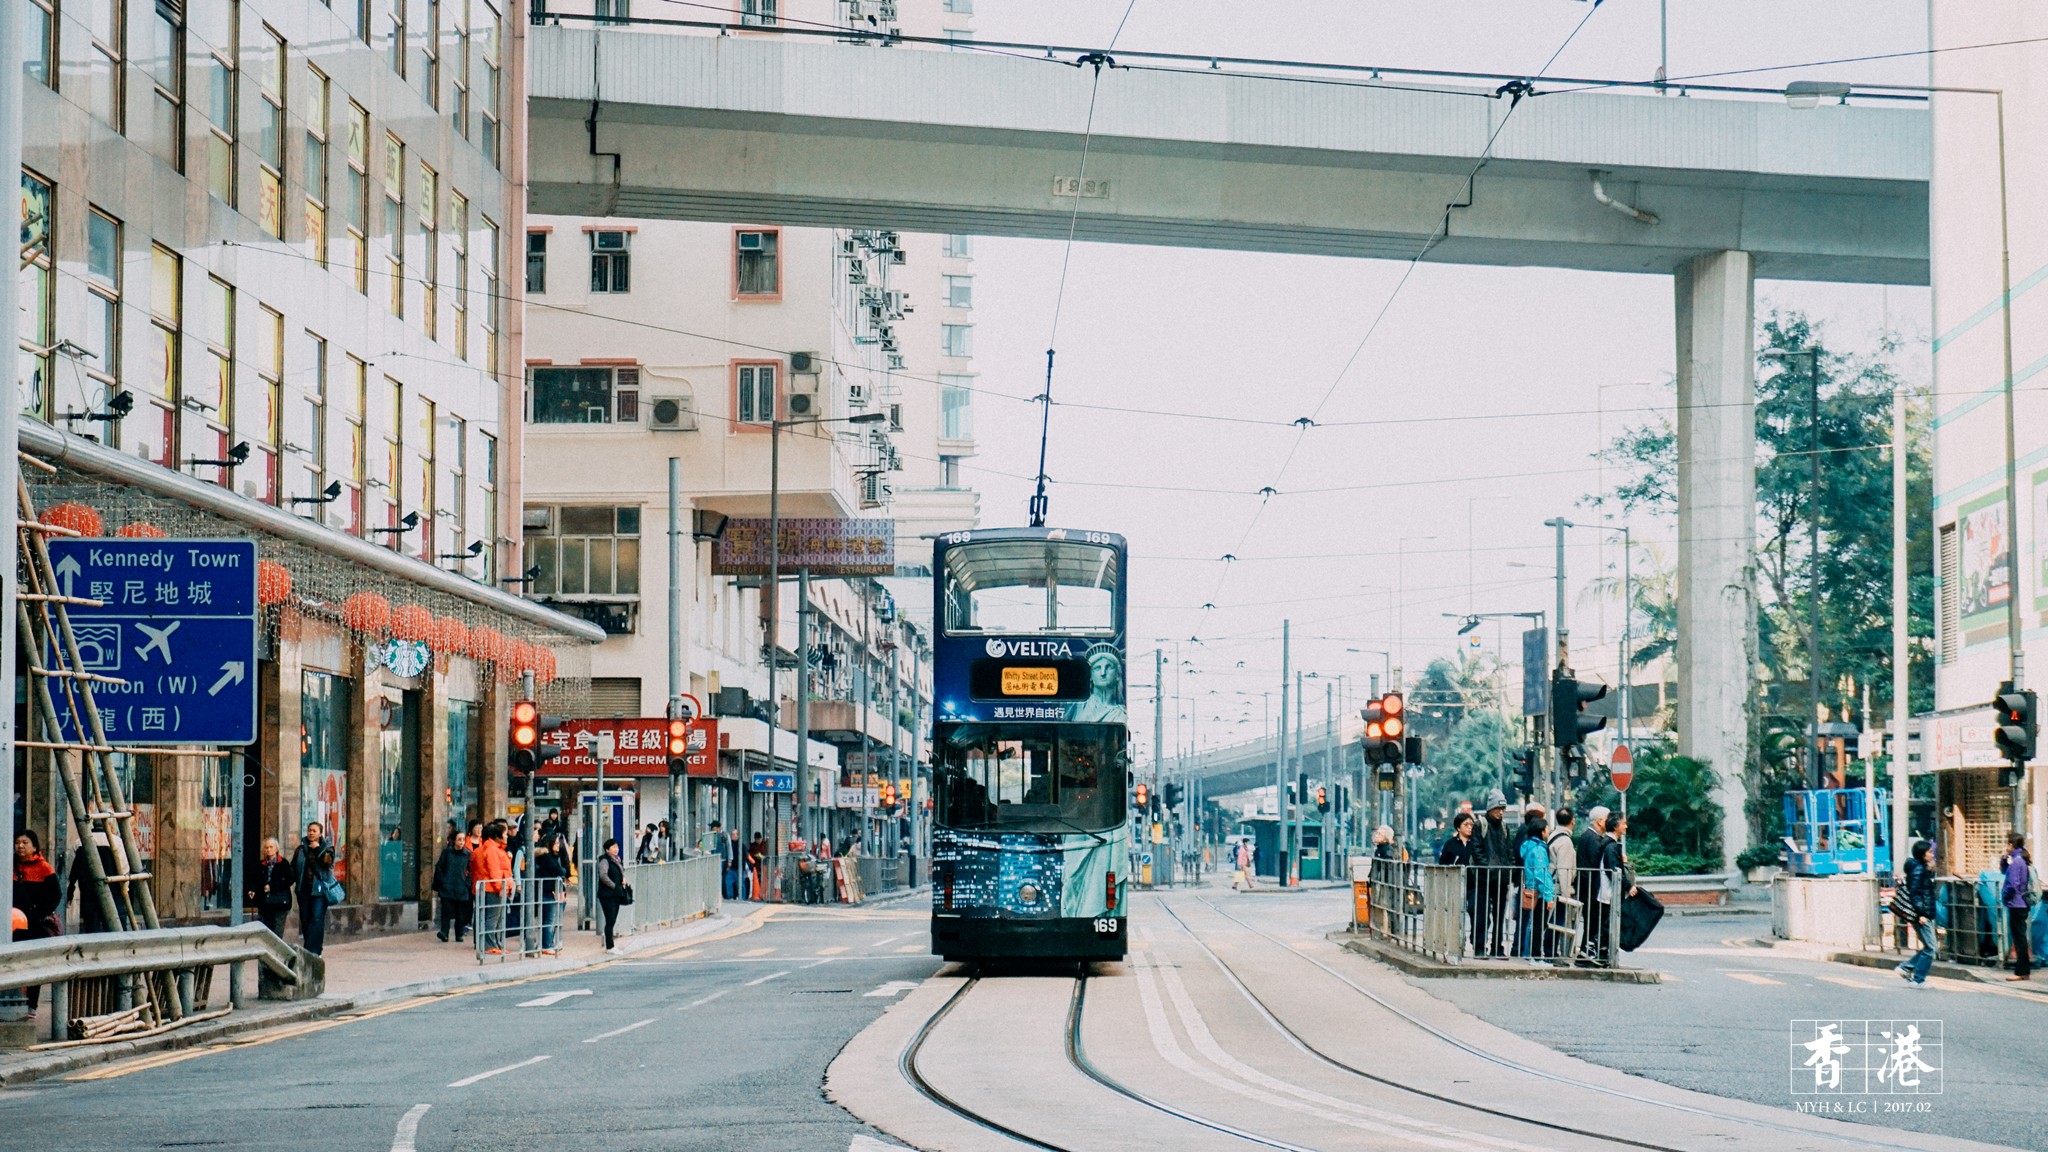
{"x": 771, "y": 781}
{"x": 177, "y": 624}
{"x": 1536, "y": 672}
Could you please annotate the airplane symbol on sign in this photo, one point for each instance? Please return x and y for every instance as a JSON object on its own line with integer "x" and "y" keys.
{"x": 159, "y": 639}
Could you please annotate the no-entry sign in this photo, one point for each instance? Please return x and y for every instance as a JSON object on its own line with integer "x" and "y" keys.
{"x": 1622, "y": 768}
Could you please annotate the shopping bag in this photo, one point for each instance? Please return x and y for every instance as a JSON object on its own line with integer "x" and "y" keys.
{"x": 1639, "y": 916}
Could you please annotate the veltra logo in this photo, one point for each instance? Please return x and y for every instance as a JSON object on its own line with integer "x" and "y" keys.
{"x": 1037, "y": 649}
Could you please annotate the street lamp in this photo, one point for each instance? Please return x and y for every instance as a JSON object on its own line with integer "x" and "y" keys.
{"x": 774, "y": 590}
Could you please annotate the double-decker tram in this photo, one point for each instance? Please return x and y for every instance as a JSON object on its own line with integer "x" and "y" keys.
{"x": 1030, "y": 849}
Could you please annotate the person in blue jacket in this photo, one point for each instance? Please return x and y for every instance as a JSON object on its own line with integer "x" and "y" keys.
{"x": 1539, "y": 885}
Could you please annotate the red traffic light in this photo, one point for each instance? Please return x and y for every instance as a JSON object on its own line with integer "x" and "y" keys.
{"x": 1393, "y": 727}
{"x": 1392, "y": 703}
{"x": 1142, "y": 795}
{"x": 525, "y": 724}
{"x": 678, "y": 737}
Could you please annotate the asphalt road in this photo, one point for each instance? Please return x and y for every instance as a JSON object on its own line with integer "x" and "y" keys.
{"x": 1722, "y": 1021}
{"x": 715, "y": 1046}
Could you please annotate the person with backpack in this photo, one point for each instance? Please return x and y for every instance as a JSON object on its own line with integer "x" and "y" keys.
{"x": 2018, "y": 897}
{"x": 1913, "y": 906}
{"x": 313, "y": 867}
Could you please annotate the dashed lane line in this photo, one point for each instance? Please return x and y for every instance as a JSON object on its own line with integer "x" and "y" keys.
{"x": 408, "y": 1128}
{"x": 703, "y": 1000}
{"x": 1751, "y": 978}
{"x": 466, "y": 1081}
{"x": 834, "y": 950}
{"x": 758, "y": 952}
{"x": 620, "y": 1031}
{"x": 1845, "y": 982}
{"x": 765, "y": 979}
{"x": 908, "y": 949}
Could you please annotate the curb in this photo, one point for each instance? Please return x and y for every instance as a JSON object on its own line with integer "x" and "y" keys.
{"x": 1414, "y": 965}
{"x": 41, "y": 1066}
{"x": 1869, "y": 960}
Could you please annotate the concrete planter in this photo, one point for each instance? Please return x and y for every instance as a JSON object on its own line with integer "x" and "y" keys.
{"x": 1761, "y": 874}
{"x": 1705, "y": 889}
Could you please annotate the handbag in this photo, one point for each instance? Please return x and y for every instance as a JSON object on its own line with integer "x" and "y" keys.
{"x": 331, "y": 891}
{"x": 1903, "y": 908}
{"x": 1528, "y": 899}
{"x": 625, "y": 895}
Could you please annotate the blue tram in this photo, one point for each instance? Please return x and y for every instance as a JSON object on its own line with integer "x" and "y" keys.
{"x": 1030, "y": 849}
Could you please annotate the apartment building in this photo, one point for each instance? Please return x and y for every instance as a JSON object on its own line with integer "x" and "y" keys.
{"x": 265, "y": 295}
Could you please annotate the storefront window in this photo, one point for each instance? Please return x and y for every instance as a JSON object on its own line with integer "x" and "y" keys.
{"x": 323, "y": 760}
{"x": 216, "y": 833}
{"x": 398, "y": 795}
{"x": 463, "y": 806}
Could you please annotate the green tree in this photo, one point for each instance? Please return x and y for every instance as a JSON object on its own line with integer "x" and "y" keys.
{"x": 1465, "y": 766}
{"x": 1671, "y": 807}
{"x": 1850, "y": 577}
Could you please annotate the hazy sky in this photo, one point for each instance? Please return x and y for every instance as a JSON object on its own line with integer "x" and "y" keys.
{"x": 1501, "y": 371}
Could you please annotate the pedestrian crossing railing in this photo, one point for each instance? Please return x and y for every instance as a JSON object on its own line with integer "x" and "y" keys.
{"x": 1452, "y": 913}
{"x": 519, "y": 917}
{"x": 671, "y": 892}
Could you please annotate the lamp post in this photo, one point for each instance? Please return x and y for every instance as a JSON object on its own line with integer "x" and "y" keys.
{"x": 774, "y": 592}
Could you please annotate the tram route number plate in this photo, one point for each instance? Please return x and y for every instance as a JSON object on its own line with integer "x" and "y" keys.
{"x": 1031, "y": 681}
{"x": 1105, "y": 925}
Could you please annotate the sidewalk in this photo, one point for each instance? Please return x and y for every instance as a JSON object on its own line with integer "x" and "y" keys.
{"x": 1831, "y": 954}
{"x": 367, "y": 973}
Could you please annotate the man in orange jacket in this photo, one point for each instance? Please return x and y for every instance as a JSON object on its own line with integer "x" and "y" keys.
{"x": 490, "y": 872}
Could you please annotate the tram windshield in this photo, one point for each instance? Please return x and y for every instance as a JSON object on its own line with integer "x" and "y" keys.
{"x": 1031, "y": 777}
{"x": 1008, "y": 587}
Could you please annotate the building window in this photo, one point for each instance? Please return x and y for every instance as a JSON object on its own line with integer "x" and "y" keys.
{"x": 956, "y": 339}
{"x": 314, "y": 419}
{"x": 213, "y": 396}
{"x": 949, "y": 472}
{"x": 757, "y": 13}
{"x": 964, "y": 7}
{"x": 614, "y": 11}
{"x": 491, "y": 295}
{"x": 355, "y": 397}
{"x": 1947, "y": 608}
{"x": 270, "y": 143}
{"x": 956, "y": 408}
{"x": 393, "y": 233}
{"x": 458, "y": 273}
{"x": 459, "y": 76}
{"x": 262, "y": 412}
{"x": 430, "y": 54}
{"x": 585, "y": 395}
{"x": 754, "y": 385}
{"x": 487, "y": 492}
{"x": 426, "y": 459}
{"x": 107, "y": 79}
{"x": 317, "y": 92}
{"x": 164, "y": 61}
{"x": 536, "y": 263}
{"x": 39, "y": 52}
{"x": 430, "y": 251}
{"x": 393, "y": 478}
{"x": 959, "y": 291}
{"x": 103, "y": 311}
{"x": 356, "y": 195}
{"x": 38, "y": 286}
{"x": 610, "y": 261}
{"x": 455, "y": 494}
{"x": 492, "y": 82}
{"x": 220, "y": 140}
{"x": 958, "y": 246}
{"x": 324, "y": 725}
{"x": 584, "y": 550}
{"x": 394, "y": 31}
{"x": 166, "y": 379}
{"x": 756, "y": 269}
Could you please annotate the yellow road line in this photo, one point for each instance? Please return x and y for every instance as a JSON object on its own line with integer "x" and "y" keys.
{"x": 1845, "y": 982}
{"x": 1751, "y": 978}
{"x": 907, "y": 949}
{"x": 835, "y": 950}
{"x": 757, "y": 952}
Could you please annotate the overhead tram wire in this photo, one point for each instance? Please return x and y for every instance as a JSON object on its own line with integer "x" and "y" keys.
{"x": 1037, "y": 507}
{"x": 1515, "y": 90}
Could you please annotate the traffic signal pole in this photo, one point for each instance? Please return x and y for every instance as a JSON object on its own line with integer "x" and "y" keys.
{"x": 1280, "y": 762}
{"x": 1554, "y": 769}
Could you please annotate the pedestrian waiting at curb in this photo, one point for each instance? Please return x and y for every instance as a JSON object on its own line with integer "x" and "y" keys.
{"x": 313, "y": 872}
{"x": 1498, "y": 859}
{"x": 1916, "y": 910}
{"x": 1539, "y": 885}
{"x": 37, "y": 894}
{"x": 490, "y": 877}
{"x": 270, "y": 889}
{"x": 551, "y": 866}
{"x": 451, "y": 886}
{"x": 2017, "y": 895}
{"x": 612, "y": 892}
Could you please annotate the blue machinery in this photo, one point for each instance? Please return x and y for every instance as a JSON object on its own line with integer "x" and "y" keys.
{"x": 1828, "y": 832}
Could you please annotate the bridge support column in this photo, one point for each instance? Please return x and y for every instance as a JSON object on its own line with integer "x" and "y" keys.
{"x": 1717, "y": 615}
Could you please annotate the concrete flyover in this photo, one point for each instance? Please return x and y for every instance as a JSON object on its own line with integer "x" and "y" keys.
{"x": 636, "y": 121}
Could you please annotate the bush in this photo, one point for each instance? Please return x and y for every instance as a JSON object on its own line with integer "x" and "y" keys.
{"x": 1759, "y": 856}
{"x": 1673, "y": 864}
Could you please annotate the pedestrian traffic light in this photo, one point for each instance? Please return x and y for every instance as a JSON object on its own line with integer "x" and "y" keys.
{"x": 1322, "y": 798}
{"x": 1385, "y": 725}
{"x": 2019, "y": 725}
{"x": 1523, "y": 761}
{"x": 528, "y": 752}
{"x": 1569, "y": 725}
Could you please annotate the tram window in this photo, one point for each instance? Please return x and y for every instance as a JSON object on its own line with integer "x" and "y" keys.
{"x": 995, "y": 775}
{"x": 1024, "y": 586}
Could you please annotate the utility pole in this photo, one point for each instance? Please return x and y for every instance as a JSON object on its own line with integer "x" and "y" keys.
{"x": 1280, "y": 760}
{"x": 1299, "y": 773}
{"x": 805, "y": 829}
{"x": 1158, "y": 718}
{"x": 1902, "y": 622}
{"x": 1554, "y": 772}
{"x": 10, "y": 508}
{"x": 678, "y": 798}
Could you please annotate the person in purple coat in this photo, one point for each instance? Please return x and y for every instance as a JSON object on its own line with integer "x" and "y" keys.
{"x": 2017, "y": 895}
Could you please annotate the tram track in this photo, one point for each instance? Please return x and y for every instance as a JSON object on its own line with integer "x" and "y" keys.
{"x": 1302, "y": 1044}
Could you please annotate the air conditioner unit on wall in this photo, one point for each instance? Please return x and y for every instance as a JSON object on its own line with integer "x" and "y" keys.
{"x": 805, "y": 363}
{"x": 803, "y": 397}
{"x": 673, "y": 414}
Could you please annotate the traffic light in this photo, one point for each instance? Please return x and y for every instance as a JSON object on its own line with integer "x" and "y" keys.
{"x": 1385, "y": 724}
{"x": 528, "y": 752}
{"x": 678, "y": 746}
{"x": 1322, "y": 798}
{"x": 1523, "y": 761}
{"x": 1142, "y": 795}
{"x": 1569, "y": 725}
{"x": 2019, "y": 725}
{"x": 1170, "y": 793}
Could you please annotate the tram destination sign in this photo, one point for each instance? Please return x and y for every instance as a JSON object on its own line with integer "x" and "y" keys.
{"x": 176, "y": 625}
{"x": 828, "y": 546}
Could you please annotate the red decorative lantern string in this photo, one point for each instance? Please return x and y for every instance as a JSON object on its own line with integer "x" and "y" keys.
{"x": 411, "y": 622}
{"x": 486, "y": 644}
{"x": 543, "y": 667}
{"x": 449, "y": 636}
{"x": 141, "y": 530}
{"x": 273, "y": 581}
{"x": 366, "y": 612}
{"x": 78, "y": 518}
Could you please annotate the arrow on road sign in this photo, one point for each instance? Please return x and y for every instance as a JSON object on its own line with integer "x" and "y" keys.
{"x": 231, "y": 672}
{"x": 68, "y": 570}
{"x": 554, "y": 998}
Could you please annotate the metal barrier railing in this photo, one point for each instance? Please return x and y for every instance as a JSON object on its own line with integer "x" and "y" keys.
{"x": 518, "y": 917}
{"x": 670, "y": 892}
{"x": 182, "y": 958}
{"x": 879, "y": 874}
{"x": 1449, "y": 912}
{"x": 1969, "y": 922}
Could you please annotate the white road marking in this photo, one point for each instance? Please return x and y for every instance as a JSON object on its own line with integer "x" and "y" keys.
{"x": 554, "y": 998}
{"x": 408, "y": 1127}
{"x": 890, "y": 940}
{"x": 765, "y": 979}
{"x": 869, "y": 1144}
{"x": 894, "y": 988}
{"x": 834, "y": 950}
{"x": 1845, "y": 982}
{"x": 618, "y": 1031}
{"x": 466, "y": 1081}
{"x": 815, "y": 963}
{"x": 1751, "y": 978}
{"x": 703, "y": 1000}
{"x": 910, "y": 948}
{"x": 757, "y": 951}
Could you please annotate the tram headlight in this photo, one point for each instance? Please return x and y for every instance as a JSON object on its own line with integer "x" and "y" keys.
{"x": 1028, "y": 894}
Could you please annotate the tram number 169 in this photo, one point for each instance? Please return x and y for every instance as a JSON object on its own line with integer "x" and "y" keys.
{"x": 1105, "y": 925}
